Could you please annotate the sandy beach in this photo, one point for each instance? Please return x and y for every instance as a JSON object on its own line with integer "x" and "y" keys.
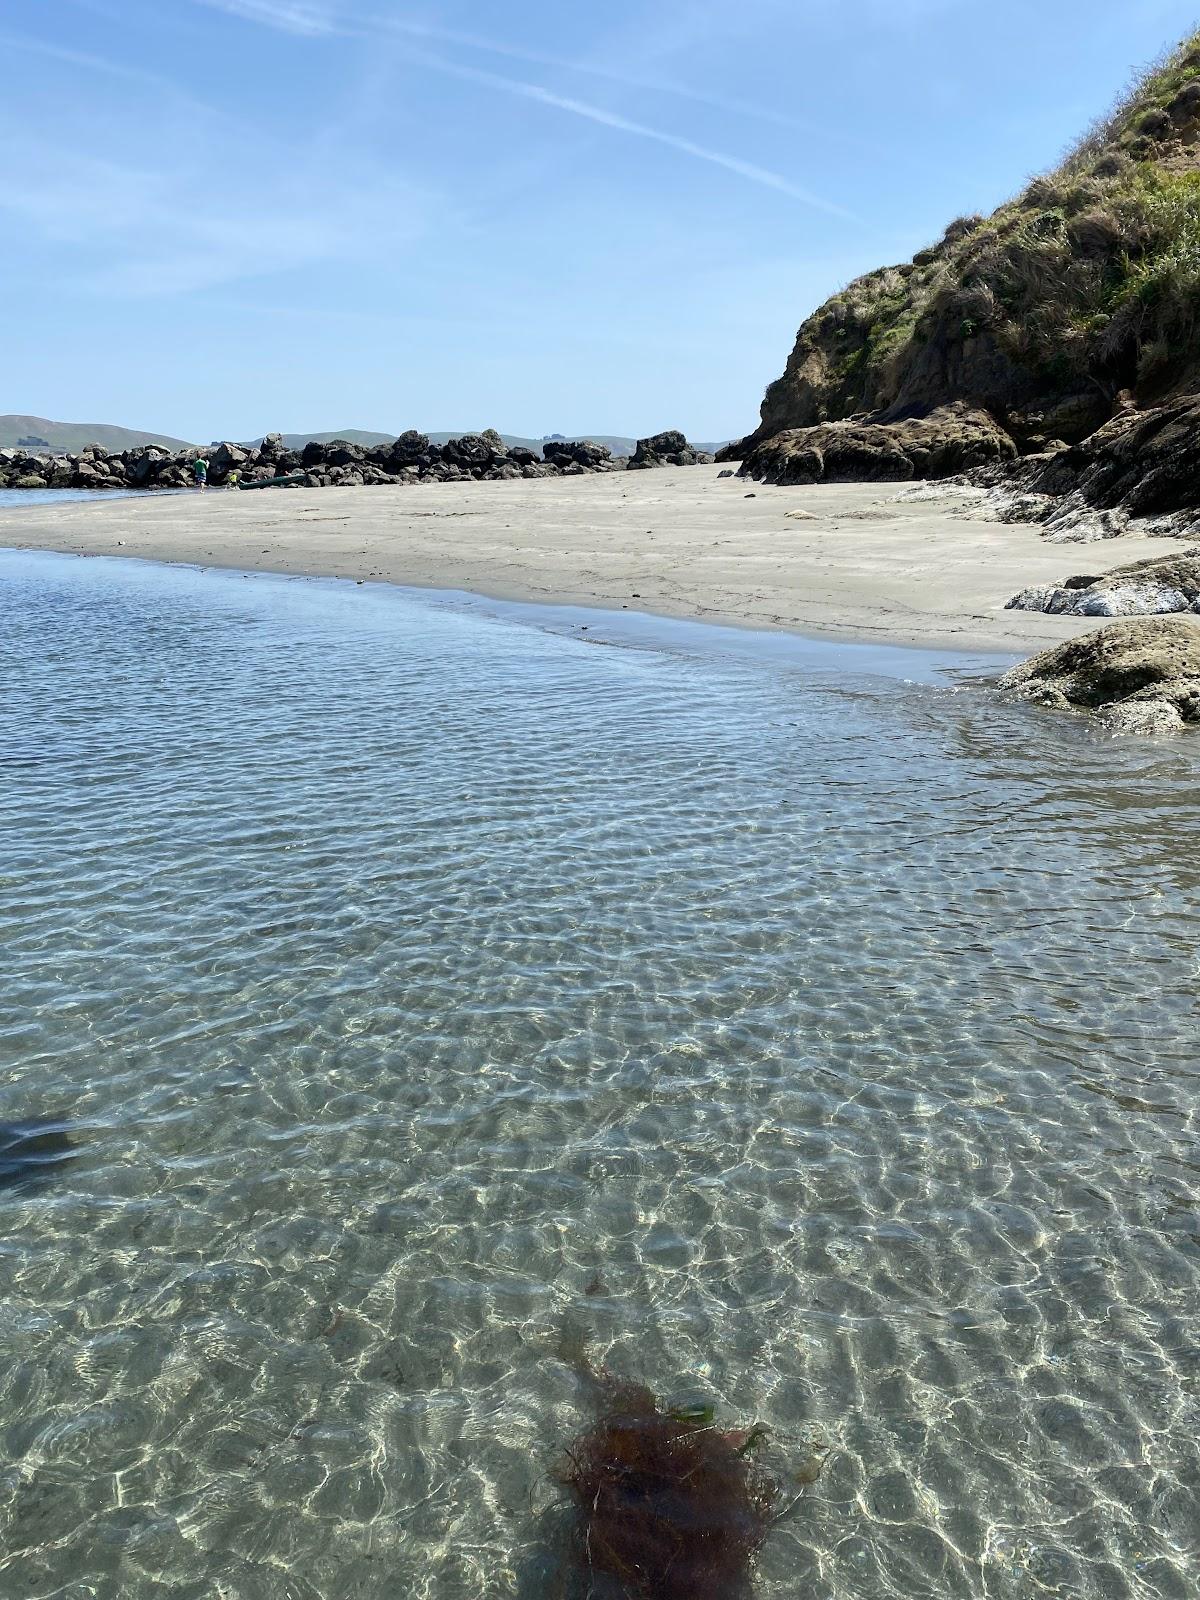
{"x": 677, "y": 542}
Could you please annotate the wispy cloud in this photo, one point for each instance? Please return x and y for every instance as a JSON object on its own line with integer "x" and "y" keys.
{"x": 107, "y": 68}
{"x": 132, "y": 239}
{"x": 308, "y": 18}
{"x": 640, "y": 130}
{"x": 317, "y": 20}
{"x": 487, "y": 45}
{"x": 138, "y": 188}
{"x": 281, "y": 14}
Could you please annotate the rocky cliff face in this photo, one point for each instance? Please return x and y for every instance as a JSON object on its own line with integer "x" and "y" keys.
{"x": 1078, "y": 296}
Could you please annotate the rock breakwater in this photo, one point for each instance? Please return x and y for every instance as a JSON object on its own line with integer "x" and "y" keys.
{"x": 411, "y": 458}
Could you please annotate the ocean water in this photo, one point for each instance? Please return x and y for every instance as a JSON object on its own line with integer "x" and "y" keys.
{"x": 30, "y": 498}
{"x": 801, "y": 1026}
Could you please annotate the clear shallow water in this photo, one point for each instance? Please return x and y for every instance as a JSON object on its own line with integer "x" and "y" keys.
{"x": 402, "y": 969}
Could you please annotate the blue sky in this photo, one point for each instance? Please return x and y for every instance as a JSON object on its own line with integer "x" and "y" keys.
{"x": 227, "y": 216}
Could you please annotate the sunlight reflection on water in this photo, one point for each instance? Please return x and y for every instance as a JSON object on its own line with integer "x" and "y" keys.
{"x": 400, "y": 969}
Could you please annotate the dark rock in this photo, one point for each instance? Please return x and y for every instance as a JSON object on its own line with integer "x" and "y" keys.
{"x": 470, "y": 451}
{"x": 409, "y": 449}
{"x": 583, "y": 453}
{"x": 937, "y": 445}
{"x": 341, "y": 453}
{"x": 144, "y": 464}
{"x": 669, "y": 449}
{"x": 1146, "y": 463}
{"x": 32, "y": 1151}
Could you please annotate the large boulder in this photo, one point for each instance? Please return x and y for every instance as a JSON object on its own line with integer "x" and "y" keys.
{"x": 584, "y": 453}
{"x": 668, "y": 449}
{"x": 1141, "y": 675}
{"x": 271, "y": 448}
{"x": 144, "y": 465}
{"x": 472, "y": 450}
{"x": 939, "y": 444}
{"x": 227, "y": 458}
{"x": 410, "y": 449}
{"x": 339, "y": 453}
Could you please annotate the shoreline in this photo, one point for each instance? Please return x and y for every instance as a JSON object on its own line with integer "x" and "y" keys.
{"x": 680, "y": 543}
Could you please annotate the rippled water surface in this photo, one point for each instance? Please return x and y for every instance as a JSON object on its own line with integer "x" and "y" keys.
{"x": 404, "y": 972}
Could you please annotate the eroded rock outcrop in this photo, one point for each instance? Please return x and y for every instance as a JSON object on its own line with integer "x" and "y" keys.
{"x": 947, "y": 441}
{"x": 668, "y": 449}
{"x": 1142, "y": 463}
{"x": 1157, "y": 587}
{"x": 1140, "y": 676}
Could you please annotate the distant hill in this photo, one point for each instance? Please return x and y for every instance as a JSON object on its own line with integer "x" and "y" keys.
{"x": 69, "y": 437}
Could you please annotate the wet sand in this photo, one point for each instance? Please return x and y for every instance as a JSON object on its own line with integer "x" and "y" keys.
{"x": 678, "y": 542}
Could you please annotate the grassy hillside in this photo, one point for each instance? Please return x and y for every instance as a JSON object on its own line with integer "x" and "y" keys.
{"x": 1086, "y": 284}
{"x": 68, "y": 437}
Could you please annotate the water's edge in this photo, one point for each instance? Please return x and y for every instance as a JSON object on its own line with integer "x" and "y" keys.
{"x": 630, "y": 628}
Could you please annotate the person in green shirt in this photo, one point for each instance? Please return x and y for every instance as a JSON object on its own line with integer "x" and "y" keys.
{"x": 201, "y": 471}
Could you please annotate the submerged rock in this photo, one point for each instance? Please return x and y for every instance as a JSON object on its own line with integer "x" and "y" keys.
{"x": 1141, "y": 675}
{"x": 32, "y": 1150}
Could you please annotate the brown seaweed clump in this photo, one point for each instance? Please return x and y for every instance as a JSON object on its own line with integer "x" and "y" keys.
{"x": 668, "y": 1505}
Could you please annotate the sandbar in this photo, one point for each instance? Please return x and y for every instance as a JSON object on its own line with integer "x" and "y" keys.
{"x": 678, "y": 542}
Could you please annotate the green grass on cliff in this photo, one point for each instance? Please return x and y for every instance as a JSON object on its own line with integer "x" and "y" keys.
{"x": 1089, "y": 280}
